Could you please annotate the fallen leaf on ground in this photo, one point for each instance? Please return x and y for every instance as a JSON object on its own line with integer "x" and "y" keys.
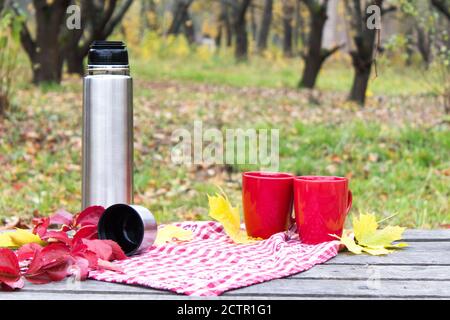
{"x": 89, "y": 216}
{"x": 106, "y": 265}
{"x": 10, "y": 277}
{"x": 367, "y": 238}
{"x": 50, "y": 264}
{"x": 18, "y": 238}
{"x": 105, "y": 249}
{"x": 172, "y": 233}
{"x": 14, "y": 223}
{"x": 221, "y": 210}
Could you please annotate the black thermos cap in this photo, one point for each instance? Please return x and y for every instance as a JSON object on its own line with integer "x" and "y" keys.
{"x": 110, "y": 53}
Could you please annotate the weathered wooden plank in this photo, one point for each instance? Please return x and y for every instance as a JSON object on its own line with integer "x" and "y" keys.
{"x": 35, "y": 295}
{"x": 364, "y": 272}
{"x": 427, "y": 235}
{"x": 348, "y": 288}
{"x": 320, "y": 272}
{"x": 418, "y": 253}
{"x": 421, "y": 270}
{"x": 100, "y": 296}
{"x": 294, "y": 288}
{"x": 91, "y": 286}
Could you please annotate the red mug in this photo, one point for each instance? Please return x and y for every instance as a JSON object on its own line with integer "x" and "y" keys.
{"x": 267, "y": 199}
{"x": 321, "y": 206}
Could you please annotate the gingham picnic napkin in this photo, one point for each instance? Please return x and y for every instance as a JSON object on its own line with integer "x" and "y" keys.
{"x": 211, "y": 263}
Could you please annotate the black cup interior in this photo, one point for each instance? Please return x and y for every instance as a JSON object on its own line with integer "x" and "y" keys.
{"x": 122, "y": 224}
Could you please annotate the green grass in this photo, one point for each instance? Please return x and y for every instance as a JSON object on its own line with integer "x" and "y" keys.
{"x": 393, "y": 171}
{"x": 336, "y": 75}
{"x": 398, "y": 164}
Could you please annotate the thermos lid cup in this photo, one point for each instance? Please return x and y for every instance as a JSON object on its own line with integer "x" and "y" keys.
{"x": 133, "y": 227}
{"x": 108, "y": 53}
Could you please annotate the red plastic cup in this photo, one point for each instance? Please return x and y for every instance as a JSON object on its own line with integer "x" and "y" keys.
{"x": 321, "y": 206}
{"x": 267, "y": 199}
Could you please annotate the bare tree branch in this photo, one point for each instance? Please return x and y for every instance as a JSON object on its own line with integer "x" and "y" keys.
{"x": 328, "y": 52}
{"x": 117, "y": 18}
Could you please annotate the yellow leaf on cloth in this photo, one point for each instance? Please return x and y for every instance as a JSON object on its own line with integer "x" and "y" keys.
{"x": 221, "y": 210}
{"x": 18, "y": 238}
{"x": 172, "y": 233}
{"x": 367, "y": 238}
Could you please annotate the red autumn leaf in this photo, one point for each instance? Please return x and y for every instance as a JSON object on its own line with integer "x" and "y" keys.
{"x": 50, "y": 264}
{"x": 10, "y": 278}
{"x": 41, "y": 226}
{"x": 28, "y": 251}
{"x": 87, "y": 232}
{"x": 105, "y": 249}
{"x": 62, "y": 217}
{"x": 106, "y": 265}
{"x": 11, "y": 286}
{"x": 89, "y": 216}
{"x": 80, "y": 268}
{"x": 60, "y": 236}
{"x": 80, "y": 250}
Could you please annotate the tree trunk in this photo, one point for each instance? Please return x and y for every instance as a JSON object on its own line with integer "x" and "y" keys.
{"x": 181, "y": 19}
{"x": 424, "y": 45}
{"x": 224, "y": 26}
{"x": 314, "y": 57}
{"x": 297, "y": 26}
{"x": 74, "y": 62}
{"x": 362, "y": 60}
{"x": 47, "y": 63}
{"x": 228, "y": 29}
{"x": 360, "y": 83}
{"x": 254, "y": 27}
{"x": 363, "y": 55}
{"x": 241, "y": 50}
{"x": 240, "y": 30}
{"x": 47, "y": 59}
{"x": 148, "y": 7}
{"x": 266, "y": 21}
{"x": 189, "y": 30}
{"x": 218, "y": 39}
{"x": 100, "y": 18}
{"x": 288, "y": 12}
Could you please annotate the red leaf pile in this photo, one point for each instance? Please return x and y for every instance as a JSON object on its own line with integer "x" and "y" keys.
{"x": 10, "y": 277}
{"x": 64, "y": 255}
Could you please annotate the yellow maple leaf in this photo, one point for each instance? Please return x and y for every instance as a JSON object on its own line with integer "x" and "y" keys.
{"x": 172, "y": 233}
{"x": 376, "y": 251}
{"x": 5, "y": 241}
{"x": 367, "y": 238}
{"x": 18, "y": 238}
{"x": 366, "y": 233}
{"x": 221, "y": 210}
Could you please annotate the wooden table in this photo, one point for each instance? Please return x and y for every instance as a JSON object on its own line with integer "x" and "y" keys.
{"x": 420, "y": 271}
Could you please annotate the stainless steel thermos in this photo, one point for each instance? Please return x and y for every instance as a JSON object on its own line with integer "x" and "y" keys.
{"x": 107, "y": 126}
{"x": 108, "y": 149}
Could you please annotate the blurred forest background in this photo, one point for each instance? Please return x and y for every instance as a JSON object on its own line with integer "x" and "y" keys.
{"x": 372, "y": 105}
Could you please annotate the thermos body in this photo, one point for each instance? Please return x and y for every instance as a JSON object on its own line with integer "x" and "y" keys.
{"x": 107, "y": 151}
{"x": 107, "y": 140}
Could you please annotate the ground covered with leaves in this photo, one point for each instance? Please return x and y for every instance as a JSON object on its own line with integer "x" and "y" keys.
{"x": 395, "y": 150}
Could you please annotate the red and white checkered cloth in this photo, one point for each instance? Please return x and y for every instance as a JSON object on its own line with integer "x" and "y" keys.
{"x": 211, "y": 263}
